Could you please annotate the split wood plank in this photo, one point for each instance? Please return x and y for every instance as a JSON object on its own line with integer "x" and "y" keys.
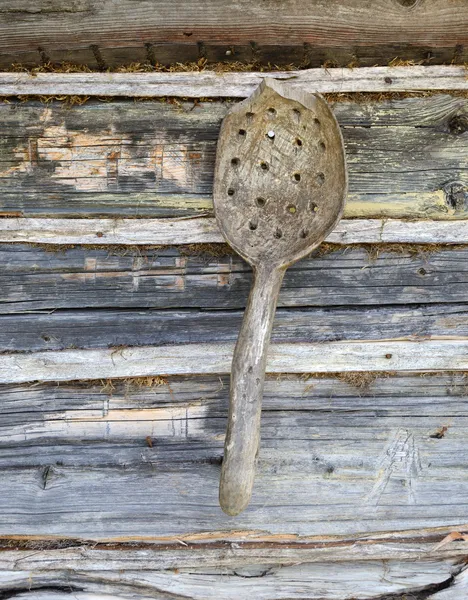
{"x": 210, "y": 84}
{"x": 146, "y": 361}
{"x": 193, "y": 230}
{"x": 252, "y": 548}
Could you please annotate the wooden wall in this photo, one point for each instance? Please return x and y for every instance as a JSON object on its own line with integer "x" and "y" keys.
{"x": 105, "y": 33}
{"x": 114, "y": 361}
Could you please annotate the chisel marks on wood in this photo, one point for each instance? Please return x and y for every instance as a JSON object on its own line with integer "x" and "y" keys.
{"x": 400, "y": 460}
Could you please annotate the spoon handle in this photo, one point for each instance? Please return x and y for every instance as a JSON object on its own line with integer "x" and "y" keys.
{"x": 247, "y": 377}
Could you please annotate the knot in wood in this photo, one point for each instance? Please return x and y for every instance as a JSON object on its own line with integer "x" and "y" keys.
{"x": 458, "y": 124}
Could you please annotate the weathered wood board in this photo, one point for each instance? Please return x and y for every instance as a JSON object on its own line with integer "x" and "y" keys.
{"x": 367, "y": 459}
{"x": 204, "y": 230}
{"x": 407, "y": 158}
{"x": 104, "y": 34}
{"x": 34, "y": 279}
{"x": 234, "y": 84}
{"x": 322, "y": 581}
{"x": 106, "y": 327}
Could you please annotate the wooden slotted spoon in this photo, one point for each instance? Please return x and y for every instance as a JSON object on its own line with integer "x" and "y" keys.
{"x": 279, "y": 189}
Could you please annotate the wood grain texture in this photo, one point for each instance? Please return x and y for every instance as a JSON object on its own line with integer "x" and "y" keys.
{"x": 210, "y": 84}
{"x": 106, "y": 33}
{"x": 374, "y": 449}
{"x": 334, "y": 461}
{"x": 33, "y": 279}
{"x": 104, "y": 328}
{"x": 147, "y": 361}
{"x": 195, "y": 230}
{"x": 133, "y": 458}
{"x": 267, "y": 582}
{"x": 407, "y": 158}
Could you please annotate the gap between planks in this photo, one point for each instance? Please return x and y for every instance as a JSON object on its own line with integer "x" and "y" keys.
{"x": 398, "y": 355}
{"x": 210, "y": 84}
{"x": 194, "y": 230}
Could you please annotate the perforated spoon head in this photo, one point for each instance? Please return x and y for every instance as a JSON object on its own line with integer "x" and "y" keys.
{"x": 280, "y": 177}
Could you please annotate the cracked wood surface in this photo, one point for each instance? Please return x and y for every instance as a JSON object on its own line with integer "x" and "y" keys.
{"x": 106, "y": 33}
{"x": 195, "y": 230}
{"x": 369, "y": 459}
{"x": 405, "y": 581}
{"x": 212, "y": 84}
{"x": 407, "y": 158}
{"x": 35, "y": 279}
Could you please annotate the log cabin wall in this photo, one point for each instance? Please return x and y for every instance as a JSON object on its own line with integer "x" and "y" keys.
{"x": 120, "y": 305}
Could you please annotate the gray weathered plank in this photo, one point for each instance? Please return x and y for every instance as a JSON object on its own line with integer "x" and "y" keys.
{"x": 436, "y": 354}
{"x": 32, "y": 279}
{"x": 364, "y": 461}
{"x": 311, "y": 582}
{"x": 210, "y": 84}
{"x": 60, "y": 330}
{"x": 205, "y": 230}
{"x": 321, "y": 581}
{"x": 406, "y": 158}
{"x": 381, "y": 477}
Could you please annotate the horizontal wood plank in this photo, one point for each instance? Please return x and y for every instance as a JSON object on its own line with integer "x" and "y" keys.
{"x": 144, "y": 361}
{"x": 60, "y": 330}
{"x": 370, "y": 459}
{"x": 102, "y": 33}
{"x": 406, "y": 158}
{"x": 269, "y": 582}
{"x": 208, "y": 84}
{"x": 196, "y": 230}
{"x": 34, "y": 279}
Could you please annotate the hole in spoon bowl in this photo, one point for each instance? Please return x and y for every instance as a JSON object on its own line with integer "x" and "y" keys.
{"x": 242, "y": 132}
{"x": 252, "y": 225}
{"x": 296, "y": 114}
{"x": 231, "y": 192}
{"x": 278, "y": 234}
{"x": 235, "y": 162}
{"x": 260, "y": 202}
{"x": 264, "y": 166}
{"x": 297, "y": 177}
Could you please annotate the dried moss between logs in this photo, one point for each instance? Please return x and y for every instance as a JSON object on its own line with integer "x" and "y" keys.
{"x": 219, "y": 67}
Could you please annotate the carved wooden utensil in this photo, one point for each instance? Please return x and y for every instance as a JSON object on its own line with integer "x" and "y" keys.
{"x": 279, "y": 189}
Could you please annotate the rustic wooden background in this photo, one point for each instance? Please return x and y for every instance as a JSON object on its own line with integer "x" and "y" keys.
{"x": 362, "y": 467}
{"x": 114, "y": 354}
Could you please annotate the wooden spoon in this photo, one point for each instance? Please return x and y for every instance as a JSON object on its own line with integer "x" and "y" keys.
{"x": 279, "y": 189}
